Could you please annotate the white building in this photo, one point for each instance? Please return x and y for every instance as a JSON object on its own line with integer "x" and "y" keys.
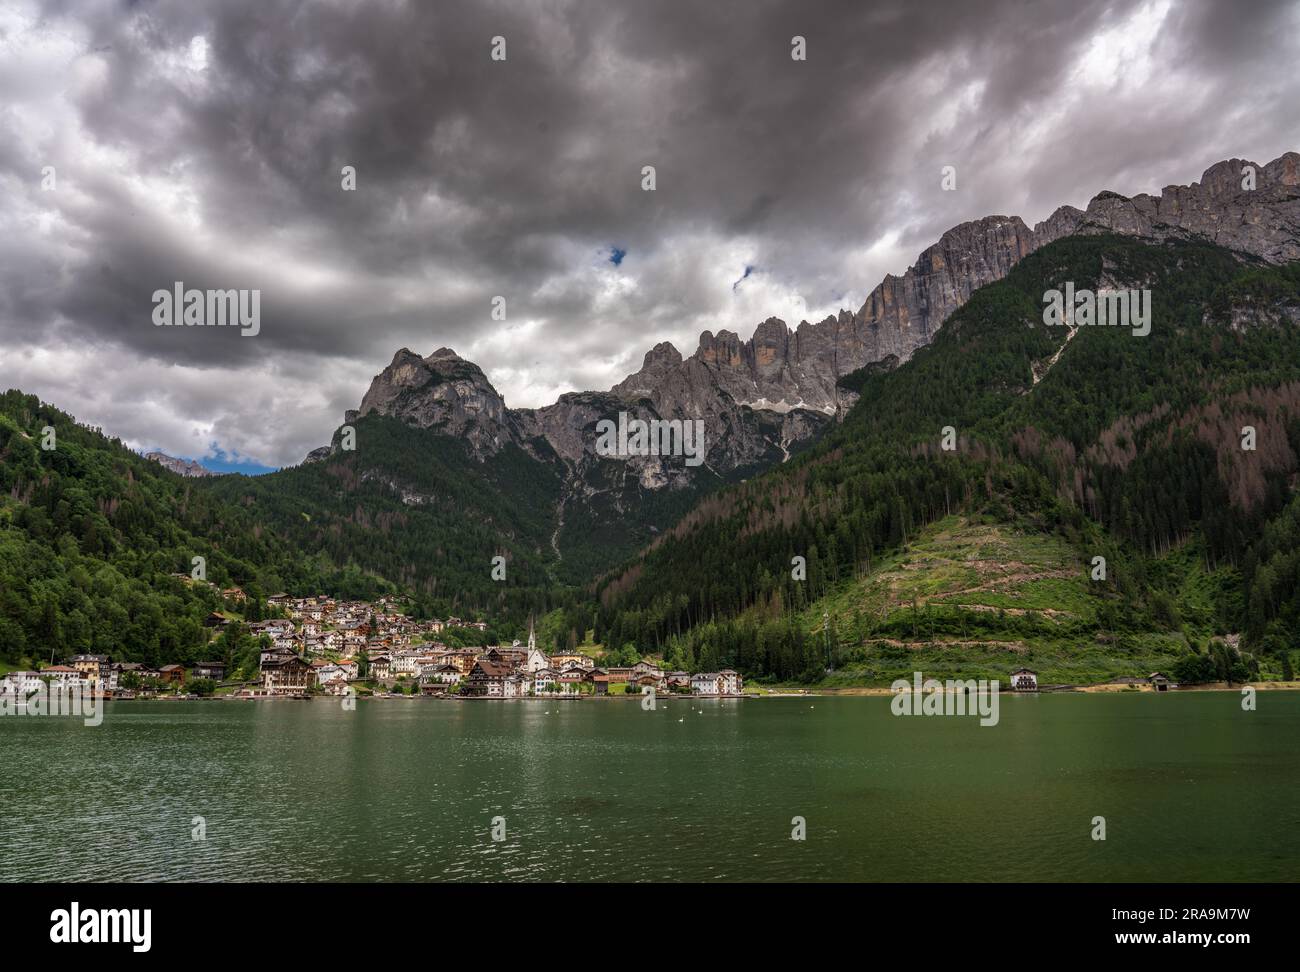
{"x": 706, "y": 683}
{"x": 21, "y": 684}
{"x": 1024, "y": 680}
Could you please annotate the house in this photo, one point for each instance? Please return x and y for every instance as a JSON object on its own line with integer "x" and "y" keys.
{"x": 545, "y": 681}
{"x": 562, "y": 660}
{"x": 338, "y": 685}
{"x": 678, "y": 680}
{"x": 462, "y": 658}
{"x": 215, "y": 670}
{"x": 405, "y": 663}
{"x": 65, "y": 676}
{"x": 729, "y": 682}
{"x": 516, "y": 686}
{"x": 644, "y": 684}
{"x": 324, "y": 671}
{"x": 1024, "y": 680}
{"x": 599, "y": 679}
{"x": 93, "y": 668}
{"x": 380, "y": 666}
{"x": 234, "y": 594}
{"x": 21, "y": 684}
{"x": 1160, "y": 682}
{"x": 571, "y": 680}
{"x": 431, "y": 686}
{"x": 643, "y": 668}
{"x": 289, "y": 676}
{"x": 445, "y": 675}
{"x": 487, "y": 678}
{"x": 706, "y": 683}
{"x": 172, "y": 674}
{"x": 215, "y": 620}
{"x": 274, "y": 653}
{"x": 512, "y": 657}
{"x": 348, "y": 667}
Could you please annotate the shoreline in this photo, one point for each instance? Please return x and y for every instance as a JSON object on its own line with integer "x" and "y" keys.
{"x": 780, "y": 692}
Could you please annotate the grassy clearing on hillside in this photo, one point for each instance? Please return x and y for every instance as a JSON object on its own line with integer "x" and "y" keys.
{"x": 977, "y": 598}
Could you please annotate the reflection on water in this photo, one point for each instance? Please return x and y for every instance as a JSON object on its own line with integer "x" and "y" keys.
{"x": 1191, "y": 787}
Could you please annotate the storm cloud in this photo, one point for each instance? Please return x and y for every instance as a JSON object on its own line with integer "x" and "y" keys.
{"x": 206, "y": 143}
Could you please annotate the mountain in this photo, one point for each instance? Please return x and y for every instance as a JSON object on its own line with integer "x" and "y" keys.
{"x": 1075, "y": 442}
{"x": 181, "y": 467}
{"x": 779, "y": 368}
{"x": 820, "y": 443}
{"x": 597, "y": 509}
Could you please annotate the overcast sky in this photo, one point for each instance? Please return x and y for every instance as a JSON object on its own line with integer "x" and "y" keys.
{"x": 203, "y": 142}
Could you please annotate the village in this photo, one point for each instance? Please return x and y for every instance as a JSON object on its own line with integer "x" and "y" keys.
{"x": 323, "y": 646}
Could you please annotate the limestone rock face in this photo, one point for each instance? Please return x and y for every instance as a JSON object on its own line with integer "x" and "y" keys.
{"x": 759, "y": 397}
{"x": 445, "y": 392}
{"x": 181, "y": 467}
{"x": 780, "y": 369}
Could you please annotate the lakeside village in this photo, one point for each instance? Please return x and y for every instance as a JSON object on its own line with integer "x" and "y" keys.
{"x": 324, "y": 646}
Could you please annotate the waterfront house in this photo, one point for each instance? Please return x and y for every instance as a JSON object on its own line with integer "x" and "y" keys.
{"x": 172, "y": 674}
{"x": 516, "y": 686}
{"x": 380, "y": 666}
{"x": 288, "y": 676}
{"x": 571, "y": 680}
{"x": 21, "y": 684}
{"x": 487, "y": 678}
{"x": 678, "y": 680}
{"x": 729, "y": 682}
{"x": 65, "y": 676}
{"x": 545, "y": 681}
{"x": 705, "y": 683}
{"x": 445, "y": 674}
{"x": 1024, "y": 680}
{"x": 1160, "y": 682}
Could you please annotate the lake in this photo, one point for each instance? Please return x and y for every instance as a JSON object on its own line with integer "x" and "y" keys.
{"x": 1191, "y": 787}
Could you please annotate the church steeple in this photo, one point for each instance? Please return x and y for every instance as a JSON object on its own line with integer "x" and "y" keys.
{"x": 532, "y": 636}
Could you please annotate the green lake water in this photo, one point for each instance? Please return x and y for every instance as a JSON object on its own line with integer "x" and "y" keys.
{"x": 1192, "y": 789}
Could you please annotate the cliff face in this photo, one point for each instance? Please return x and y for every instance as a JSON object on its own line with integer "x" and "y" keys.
{"x": 759, "y": 397}
{"x": 782, "y": 369}
{"x": 180, "y": 467}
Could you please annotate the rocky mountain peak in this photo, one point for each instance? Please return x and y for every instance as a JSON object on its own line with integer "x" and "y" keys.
{"x": 182, "y": 467}
{"x": 442, "y": 391}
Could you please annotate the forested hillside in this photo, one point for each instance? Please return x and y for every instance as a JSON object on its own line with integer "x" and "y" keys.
{"x": 92, "y": 536}
{"x": 1125, "y": 447}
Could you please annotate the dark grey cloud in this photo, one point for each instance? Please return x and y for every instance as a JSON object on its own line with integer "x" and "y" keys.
{"x": 204, "y": 143}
